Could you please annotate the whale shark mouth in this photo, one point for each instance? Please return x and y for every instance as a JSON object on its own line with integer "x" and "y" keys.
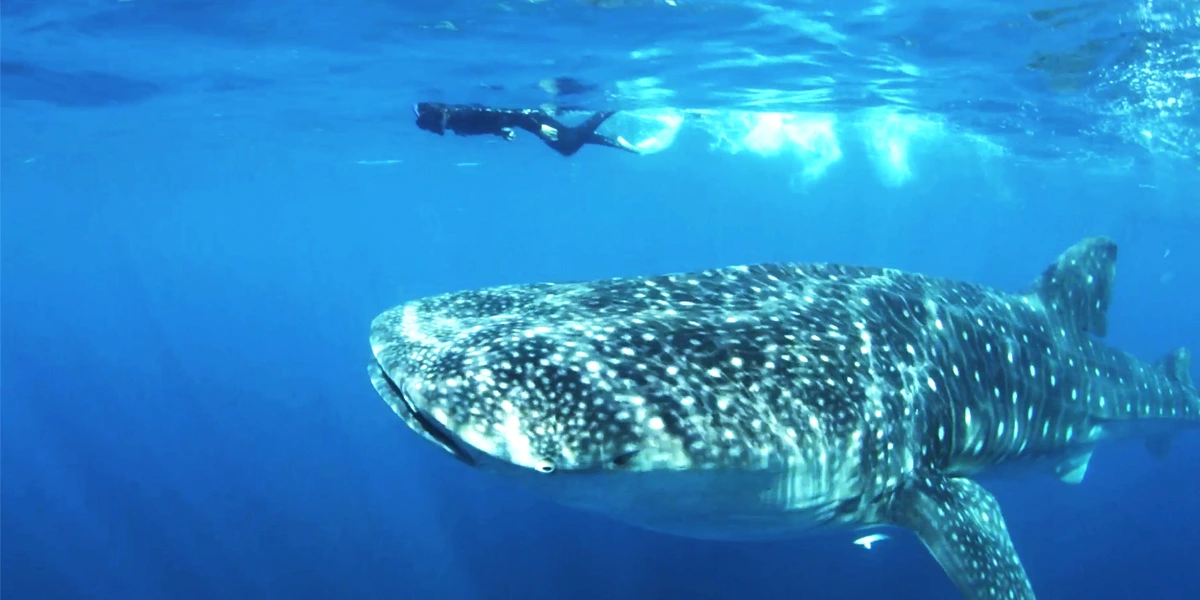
{"x": 419, "y": 421}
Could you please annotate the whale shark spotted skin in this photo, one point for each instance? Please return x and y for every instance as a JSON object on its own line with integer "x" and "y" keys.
{"x": 769, "y": 401}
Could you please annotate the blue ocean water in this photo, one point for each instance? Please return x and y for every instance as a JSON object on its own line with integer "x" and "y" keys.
{"x": 205, "y": 203}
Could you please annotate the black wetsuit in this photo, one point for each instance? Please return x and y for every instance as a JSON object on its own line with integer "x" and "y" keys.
{"x": 473, "y": 119}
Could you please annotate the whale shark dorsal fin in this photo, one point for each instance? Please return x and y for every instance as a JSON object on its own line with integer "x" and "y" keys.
{"x": 1078, "y": 286}
{"x": 961, "y": 524}
{"x": 1177, "y": 365}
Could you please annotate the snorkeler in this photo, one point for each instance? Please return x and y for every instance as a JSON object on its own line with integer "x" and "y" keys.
{"x": 473, "y": 119}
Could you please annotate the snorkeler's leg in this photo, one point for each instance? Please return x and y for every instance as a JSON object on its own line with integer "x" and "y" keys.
{"x": 542, "y": 125}
{"x": 619, "y": 143}
{"x": 563, "y": 139}
{"x": 568, "y": 140}
{"x": 585, "y": 133}
{"x": 588, "y": 129}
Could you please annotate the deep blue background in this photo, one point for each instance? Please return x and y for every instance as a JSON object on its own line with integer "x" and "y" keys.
{"x": 191, "y": 255}
{"x": 187, "y": 414}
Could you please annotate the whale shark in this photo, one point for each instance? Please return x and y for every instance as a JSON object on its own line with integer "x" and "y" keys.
{"x": 774, "y": 400}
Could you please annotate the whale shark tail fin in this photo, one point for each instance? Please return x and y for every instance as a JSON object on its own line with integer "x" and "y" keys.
{"x": 961, "y": 525}
{"x": 1177, "y": 365}
{"x": 1078, "y": 286}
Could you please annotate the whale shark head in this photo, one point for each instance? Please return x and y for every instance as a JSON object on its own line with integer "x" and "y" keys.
{"x": 498, "y": 392}
{"x": 600, "y": 406}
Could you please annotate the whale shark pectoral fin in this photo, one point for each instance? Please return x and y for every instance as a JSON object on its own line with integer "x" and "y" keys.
{"x": 961, "y": 524}
{"x": 1073, "y": 468}
{"x": 1078, "y": 286}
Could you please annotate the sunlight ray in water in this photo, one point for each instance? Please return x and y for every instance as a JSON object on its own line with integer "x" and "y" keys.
{"x": 811, "y": 138}
{"x": 284, "y": 280}
{"x": 815, "y": 141}
{"x": 1049, "y": 81}
{"x": 889, "y": 136}
{"x": 650, "y": 131}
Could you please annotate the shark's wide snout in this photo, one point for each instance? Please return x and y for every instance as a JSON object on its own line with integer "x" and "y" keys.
{"x": 453, "y": 370}
{"x": 461, "y": 425}
{"x": 416, "y": 419}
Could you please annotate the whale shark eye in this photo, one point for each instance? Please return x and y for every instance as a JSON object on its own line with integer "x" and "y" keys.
{"x": 544, "y": 466}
